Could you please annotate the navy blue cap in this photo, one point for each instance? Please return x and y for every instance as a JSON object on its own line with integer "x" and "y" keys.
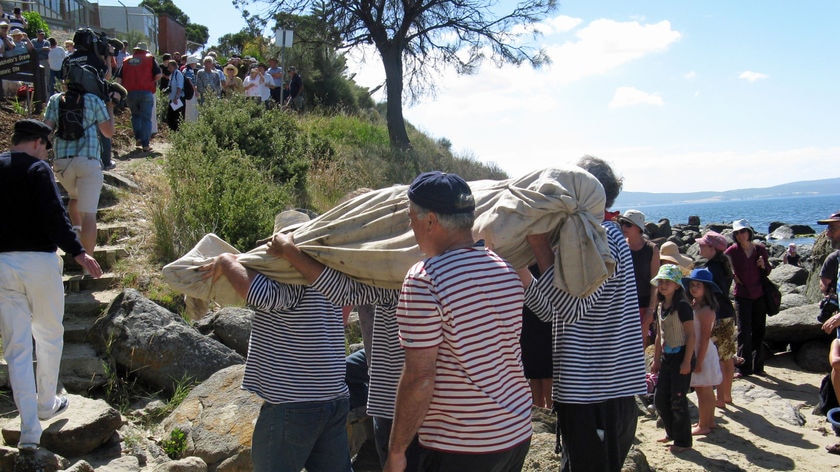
{"x": 442, "y": 193}
{"x": 30, "y": 128}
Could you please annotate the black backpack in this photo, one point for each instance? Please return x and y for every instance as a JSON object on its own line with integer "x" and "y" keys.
{"x": 84, "y": 78}
{"x": 71, "y": 116}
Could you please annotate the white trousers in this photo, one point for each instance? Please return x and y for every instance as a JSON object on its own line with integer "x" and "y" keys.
{"x": 32, "y": 306}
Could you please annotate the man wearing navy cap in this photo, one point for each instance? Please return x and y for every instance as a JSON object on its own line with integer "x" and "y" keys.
{"x": 460, "y": 316}
{"x": 35, "y": 224}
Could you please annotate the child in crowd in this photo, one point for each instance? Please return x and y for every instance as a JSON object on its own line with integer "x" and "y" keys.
{"x": 673, "y": 356}
{"x": 712, "y": 245}
{"x": 701, "y": 289}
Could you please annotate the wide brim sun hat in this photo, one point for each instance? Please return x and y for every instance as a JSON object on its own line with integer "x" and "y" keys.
{"x": 738, "y": 225}
{"x": 670, "y": 253}
{"x": 701, "y": 275}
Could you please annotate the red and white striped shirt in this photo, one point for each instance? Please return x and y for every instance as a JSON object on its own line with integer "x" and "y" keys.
{"x": 468, "y": 302}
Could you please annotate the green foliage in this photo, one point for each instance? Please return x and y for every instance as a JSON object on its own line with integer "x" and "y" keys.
{"x": 34, "y": 22}
{"x": 233, "y": 170}
{"x": 197, "y": 33}
{"x": 176, "y": 445}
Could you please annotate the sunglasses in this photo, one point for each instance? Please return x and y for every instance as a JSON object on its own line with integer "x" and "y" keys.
{"x": 625, "y": 224}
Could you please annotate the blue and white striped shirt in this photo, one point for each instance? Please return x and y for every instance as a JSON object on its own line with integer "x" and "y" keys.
{"x": 296, "y": 350}
{"x": 597, "y": 343}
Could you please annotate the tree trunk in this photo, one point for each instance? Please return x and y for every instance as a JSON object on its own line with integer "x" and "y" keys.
{"x": 392, "y": 61}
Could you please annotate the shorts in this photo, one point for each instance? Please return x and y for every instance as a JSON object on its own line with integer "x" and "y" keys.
{"x": 82, "y": 178}
{"x": 723, "y": 335}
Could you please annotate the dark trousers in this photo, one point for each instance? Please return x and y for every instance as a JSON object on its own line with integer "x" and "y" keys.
{"x": 175, "y": 117}
{"x": 104, "y": 150}
{"x": 356, "y": 377}
{"x": 596, "y": 436}
{"x": 382, "y": 436}
{"x": 511, "y": 460}
{"x": 751, "y": 316}
{"x": 670, "y": 398}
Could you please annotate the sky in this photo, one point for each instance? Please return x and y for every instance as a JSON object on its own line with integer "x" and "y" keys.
{"x": 678, "y": 96}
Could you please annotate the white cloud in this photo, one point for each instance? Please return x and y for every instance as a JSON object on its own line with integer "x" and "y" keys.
{"x": 558, "y": 24}
{"x": 751, "y": 76}
{"x": 690, "y": 75}
{"x": 631, "y": 96}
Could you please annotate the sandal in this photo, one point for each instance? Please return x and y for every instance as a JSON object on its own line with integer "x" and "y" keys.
{"x": 833, "y": 449}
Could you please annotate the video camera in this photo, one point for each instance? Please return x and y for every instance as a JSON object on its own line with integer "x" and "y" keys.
{"x": 828, "y": 307}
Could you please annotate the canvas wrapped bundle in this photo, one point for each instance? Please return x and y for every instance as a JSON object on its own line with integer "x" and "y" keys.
{"x": 369, "y": 237}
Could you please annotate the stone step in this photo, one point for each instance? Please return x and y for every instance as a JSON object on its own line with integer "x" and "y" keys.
{"x": 81, "y": 310}
{"x": 81, "y": 369}
{"x": 111, "y": 233}
{"x": 74, "y": 283}
{"x": 106, "y": 255}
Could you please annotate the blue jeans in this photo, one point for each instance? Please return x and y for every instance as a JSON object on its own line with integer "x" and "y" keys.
{"x": 140, "y": 103}
{"x": 291, "y": 436}
{"x": 53, "y": 76}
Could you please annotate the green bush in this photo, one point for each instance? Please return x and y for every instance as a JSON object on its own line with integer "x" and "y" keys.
{"x": 230, "y": 172}
{"x": 176, "y": 445}
{"x": 34, "y": 22}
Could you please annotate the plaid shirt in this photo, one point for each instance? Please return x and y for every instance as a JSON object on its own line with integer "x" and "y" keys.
{"x": 87, "y": 146}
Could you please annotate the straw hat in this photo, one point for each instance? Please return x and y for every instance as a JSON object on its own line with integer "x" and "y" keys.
{"x": 669, "y": 253}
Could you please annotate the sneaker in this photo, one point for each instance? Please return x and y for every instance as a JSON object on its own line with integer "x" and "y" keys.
{"x": 110, "y": 166}
{"x": 63, "y": 403}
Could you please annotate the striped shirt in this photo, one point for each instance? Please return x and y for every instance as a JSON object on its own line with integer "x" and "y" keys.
{"x": 296, "y": 349}
{"x": 386, "y": 354}
{"x": 597, "y": 343}
{"x": 468, "y": 304}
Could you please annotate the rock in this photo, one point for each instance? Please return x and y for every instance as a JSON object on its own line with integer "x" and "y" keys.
{"x": 231, "y": 326}
{"x": 787, "y": 273}
{"x": 218, "y": 418}
{"x": 813, "y": 356}
{"x": 635, "y": 461}
{"x": 658, "y": 230}
{"x": 121, "y": 464}
{"x": 792, "y": 300}
{"x": 80, "y": 466}
{"x": 41, "y": 460}
{"x": 766, "y": 402}
{"x": 156, "y": 344}
{"x": 694, "y": 220}
{"x": 782, "y": 232}
{"x": 86, "y": 425}
{"x": 189, "y": 464}
{"x": 795, "y": 325}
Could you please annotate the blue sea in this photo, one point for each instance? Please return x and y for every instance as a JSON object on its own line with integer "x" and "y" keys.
{"x": 804, "y": 210}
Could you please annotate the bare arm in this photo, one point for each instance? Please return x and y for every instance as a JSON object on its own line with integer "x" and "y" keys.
{"x": 414, "y": 394}
{"x": 229, "y": 266}
{"x": 283, "y": 245}
{"x": 541, "y": 246}
{"x": 107, "y": 128}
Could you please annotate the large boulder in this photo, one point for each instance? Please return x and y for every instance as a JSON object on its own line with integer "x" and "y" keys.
{"x": 230, "y": 325}
{"x": 813, "y": 356}
{"x": 789, "y": 274}
{"x": 86, "y": 425}
{"x": 795, "y": 325}
{"x": 157, "y": 345}
{"x": 218, "y": 418}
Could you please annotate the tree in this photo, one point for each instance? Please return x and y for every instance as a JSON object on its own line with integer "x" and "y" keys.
{"x": 194, "y": 32}
{"x": 417, "y": 38}
{"x": 197, "y": 33}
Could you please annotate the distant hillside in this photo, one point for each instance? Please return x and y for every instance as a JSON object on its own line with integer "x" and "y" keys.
{"x": 809, "y": 187}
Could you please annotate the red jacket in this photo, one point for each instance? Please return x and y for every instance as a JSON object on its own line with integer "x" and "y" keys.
{"x": 139, "y": 72}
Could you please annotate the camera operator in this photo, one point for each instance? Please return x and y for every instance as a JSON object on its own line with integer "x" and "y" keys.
{"x": 95, "y": 50}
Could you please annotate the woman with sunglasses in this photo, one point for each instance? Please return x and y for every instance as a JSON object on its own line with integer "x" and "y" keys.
{"x": 645, "y": 265}
{"x": 749, "y": 264}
